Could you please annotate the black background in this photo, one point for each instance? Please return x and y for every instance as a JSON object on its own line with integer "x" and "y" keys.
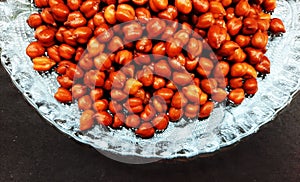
{"x": 32, "y": 150}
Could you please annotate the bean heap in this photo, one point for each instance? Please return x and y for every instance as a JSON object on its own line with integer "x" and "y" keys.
{"x": 143, "y": 63}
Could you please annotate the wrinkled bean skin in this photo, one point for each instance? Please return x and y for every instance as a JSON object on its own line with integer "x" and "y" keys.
{"x": 200, "y": 6}
{"x": 53, "y": 53}
{"x": 228, "y": 48}
{"x": 238, "y": 56}
{"x": 216, "y": 36}
{"x": 110, "y": 14}
{"x": 155, "y": 27}
{"x": 46, "y": 36}
{"x": 144, "y": 45}
{"x": 142, "y": 14}
{"x": 146, "y": 77}
{"x": 65, "y": 81}
{"x": 234, "y": 25}
{"x": 125, "y": 13}
{"x": 42, "y": 63}
{"x": 82, "y": 34}
{"x": 132, "y": 31}
{"x": 169, "y": 14}
{"x": 66, "y": 51}
{"x": 96, "y": 94}
{"x": 89, "y": 8}
{"x": 159, "y": 50}
{"x": 250, "y": 26}
{"x": 75, "y": 20}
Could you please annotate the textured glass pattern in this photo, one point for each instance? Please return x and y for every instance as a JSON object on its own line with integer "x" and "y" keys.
{"x": 226, "y": 126}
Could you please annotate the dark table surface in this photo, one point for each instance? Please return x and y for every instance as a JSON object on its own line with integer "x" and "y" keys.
{"x": 32, "y": 150}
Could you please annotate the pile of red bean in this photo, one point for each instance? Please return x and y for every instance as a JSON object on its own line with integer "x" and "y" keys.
{"x": 143, "y": 63}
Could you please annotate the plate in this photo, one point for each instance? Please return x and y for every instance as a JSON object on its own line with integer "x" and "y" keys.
{"x": 226, "y": 126}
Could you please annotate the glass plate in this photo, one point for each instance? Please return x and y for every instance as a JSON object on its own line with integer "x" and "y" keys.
{"x": 226, "y": 126}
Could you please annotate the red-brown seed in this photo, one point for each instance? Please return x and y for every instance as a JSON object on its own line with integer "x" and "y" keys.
{"x": 250, "y": 86}
{"x": 85, "y": 102}
{"x": 63, "y": 95}
{"x": 86, "y": 120}
{"x": 218, "y": 95}
{"x": 162, "y": 69}
{"x": 182, "y": 79}
{"x": 34, "y": 20}
{"x": 78, "y": 91}
{"x": 161, "y": 121}
{"x": 175, "y": 114}
{"x": 103, "y": 118}
{"x": 35, "y": 49}
{"x": 118, "y": 120}
{"x": 206, "y": 109}
{"x": 146, "y": 130}
{"x": 132, "y": 121}
{"x": 100, "y": 105}
{"x": 237, "y": 95}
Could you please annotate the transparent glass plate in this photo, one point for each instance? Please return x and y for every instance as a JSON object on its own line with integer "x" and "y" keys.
{"x": 226, "y": 126}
